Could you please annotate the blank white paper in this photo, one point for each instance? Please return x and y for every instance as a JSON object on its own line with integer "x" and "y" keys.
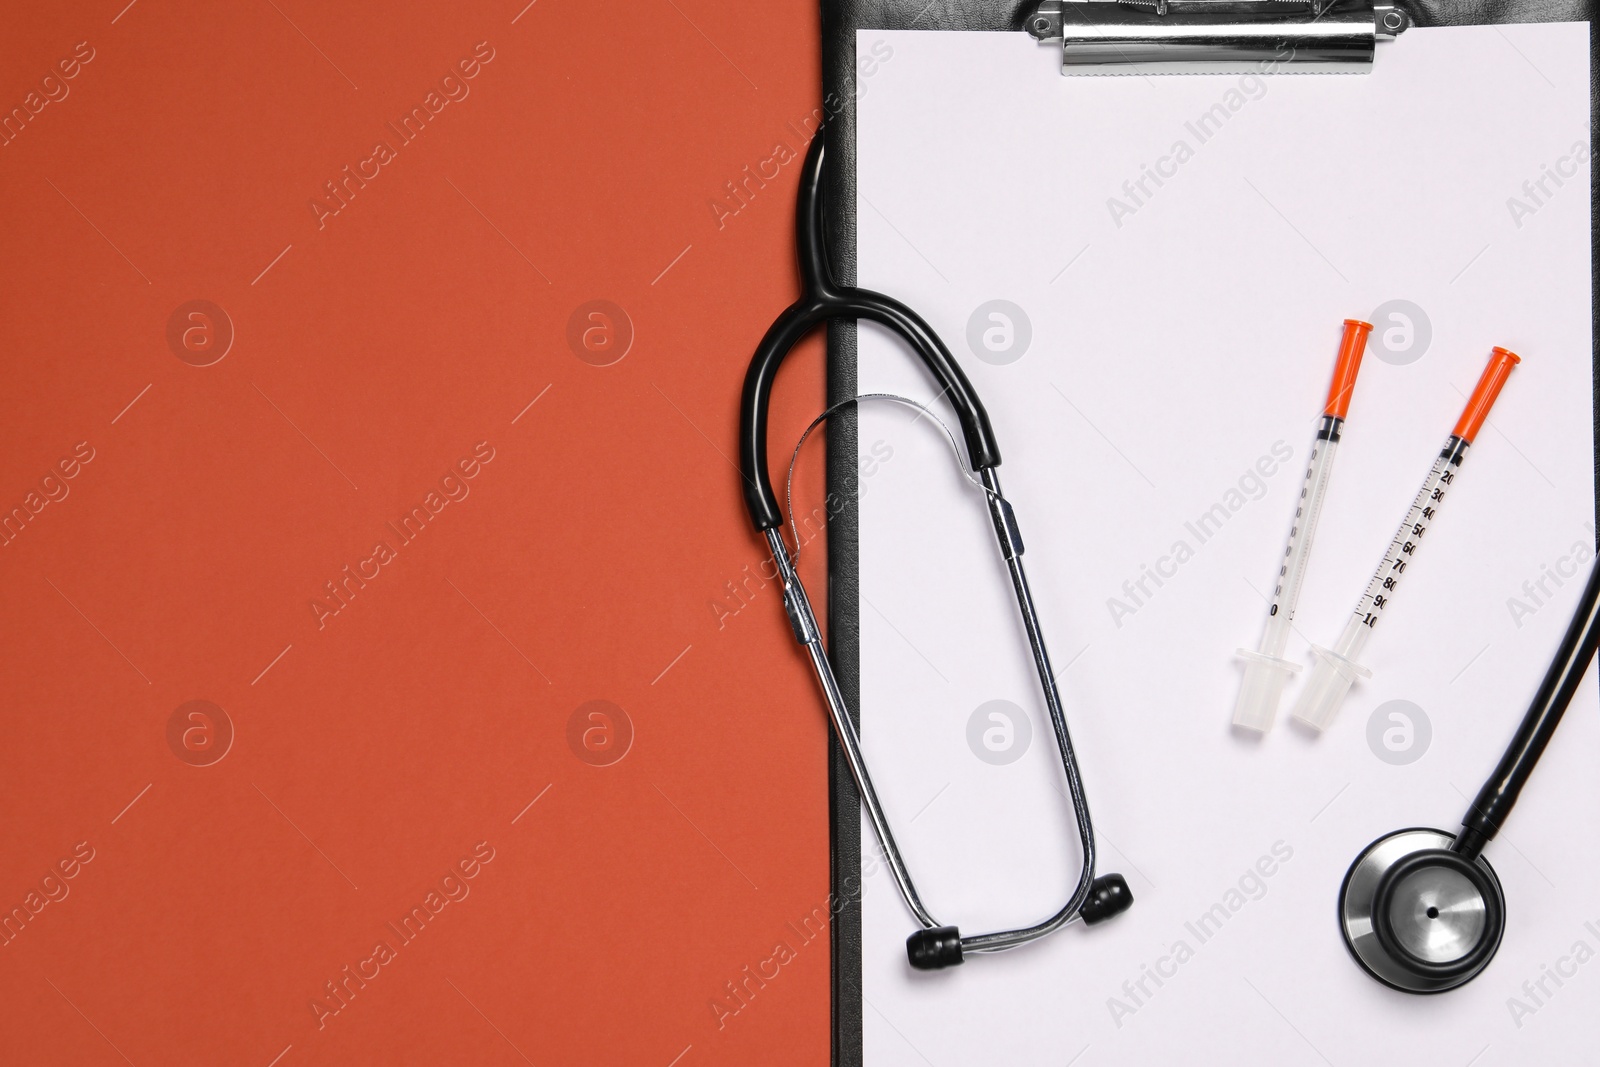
{"x": 1173, "y": 257}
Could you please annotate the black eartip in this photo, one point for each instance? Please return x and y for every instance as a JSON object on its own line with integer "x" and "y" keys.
{"x": 934, "y": 949}
{"x": 1109, "y": 896}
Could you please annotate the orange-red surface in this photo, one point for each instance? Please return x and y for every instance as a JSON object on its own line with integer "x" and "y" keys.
{"x": 307, "y": 609}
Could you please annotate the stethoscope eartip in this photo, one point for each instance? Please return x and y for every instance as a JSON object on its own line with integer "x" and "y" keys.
{"x": 1418, "y": 916}
{"x": 934, "y": 948}
{"x": 1109, "y": 896}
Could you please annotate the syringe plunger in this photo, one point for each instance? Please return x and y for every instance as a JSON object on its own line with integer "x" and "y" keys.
{"x": 1330, "y": 681}
{"x": 1262, "y": 690}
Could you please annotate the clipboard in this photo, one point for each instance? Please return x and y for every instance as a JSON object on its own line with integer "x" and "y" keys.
{"x": 840, "y": 21}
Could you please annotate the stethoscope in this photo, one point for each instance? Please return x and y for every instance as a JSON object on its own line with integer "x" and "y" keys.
{"x": 934, "y": 946}
{"x": 1421, "y": 910}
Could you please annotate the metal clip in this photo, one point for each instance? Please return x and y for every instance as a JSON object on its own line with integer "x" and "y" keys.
{"x": 1011, "y": 539}
{"x": 1216, "y": 36}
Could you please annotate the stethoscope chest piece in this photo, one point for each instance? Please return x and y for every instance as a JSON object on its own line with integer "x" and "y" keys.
{"x": 1418, "y": 916}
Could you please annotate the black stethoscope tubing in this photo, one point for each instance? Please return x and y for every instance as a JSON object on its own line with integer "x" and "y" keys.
{"x": 822, "y": 299}
{"x": 1561, "y": 680}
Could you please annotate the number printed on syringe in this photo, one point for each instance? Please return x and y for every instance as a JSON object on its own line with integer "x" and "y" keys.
{"x": 1408, "y": 539}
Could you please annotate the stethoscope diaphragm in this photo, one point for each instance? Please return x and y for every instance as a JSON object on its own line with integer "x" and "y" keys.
{"x": 1418, "y": 916}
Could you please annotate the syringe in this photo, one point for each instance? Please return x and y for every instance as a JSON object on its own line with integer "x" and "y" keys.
{"x": 1336, "y": 668}
{"x": 1266, "y": 670}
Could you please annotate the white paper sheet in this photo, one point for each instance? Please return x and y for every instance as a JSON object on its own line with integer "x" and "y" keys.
{"x": 1181, "y": 336}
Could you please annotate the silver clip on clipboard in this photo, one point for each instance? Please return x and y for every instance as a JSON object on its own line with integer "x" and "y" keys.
{"x": 1216, "y": 36}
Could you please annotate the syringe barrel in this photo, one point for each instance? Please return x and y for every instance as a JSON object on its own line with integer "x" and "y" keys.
{"x": 1408, "y": 538}
{"x": 1302, "y": 531}
{"x": 1266, "y": 671}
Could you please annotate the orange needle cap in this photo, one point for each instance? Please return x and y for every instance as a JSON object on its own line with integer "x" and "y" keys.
{"x": 1483, "y": 397}
{"x": 1344, "y": 371}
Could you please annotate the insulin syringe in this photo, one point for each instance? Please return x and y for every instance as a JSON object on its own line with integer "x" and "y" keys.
{"x": 1337, "y": 668}
{"x": 1266, "y": 670}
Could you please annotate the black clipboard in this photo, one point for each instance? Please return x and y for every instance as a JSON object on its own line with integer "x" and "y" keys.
{"x": 840, "y": 21}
